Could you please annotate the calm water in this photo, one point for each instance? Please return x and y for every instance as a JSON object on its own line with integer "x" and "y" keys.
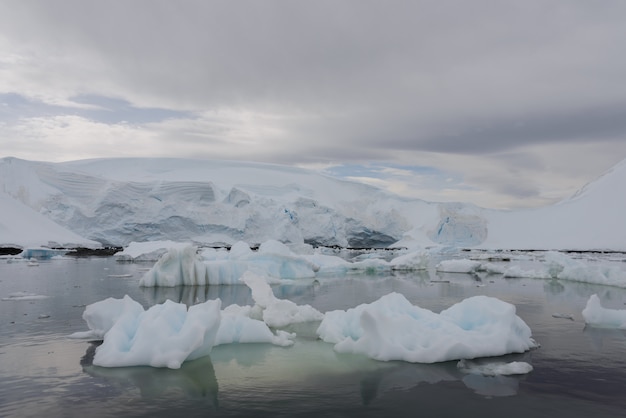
{"x": 578, "y": 372}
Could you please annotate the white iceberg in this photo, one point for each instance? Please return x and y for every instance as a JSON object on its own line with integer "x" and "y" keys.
{"x": 184, "y": 266}
{"x": 563, "y": 267}
{"x": 178, "y": 266}
{"x": 148, "y": 251}
{"x": 168, "y": 334}
{"x": 391, "y": 328}
{"x": 415, "y": 260}
{"x": 238, "y": 326}
{"x": 165, "y": 335}
{"x": 458, "y": 266}
{"x": 277, "y": 312}
{"x": 24, "y": 296}
{"x": 188, "y": 265}
{"x": 596, "y": 315}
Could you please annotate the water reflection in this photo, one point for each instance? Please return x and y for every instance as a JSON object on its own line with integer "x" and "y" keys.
{"x": 601, "y": 336}
{"x": 249, "y": 370}
{"x": 578, "y": 370}
{"x": 191, "y": 295}
{"x": 195, "y": 379}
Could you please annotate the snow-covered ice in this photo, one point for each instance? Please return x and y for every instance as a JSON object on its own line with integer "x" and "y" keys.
{"x": 168, "y": 334}
{"x": 148, "y": 251}
{"x": 563, "y": 267}
{"x": 391, "y": 328}
{"x": 184, "y": 266}
{"x": 165, "y": 335}
{"x": 217, "y": 203}
{"x": 596, "y": 315}
{"x": 458, "y": 266}
{"x": 277, "y": 312}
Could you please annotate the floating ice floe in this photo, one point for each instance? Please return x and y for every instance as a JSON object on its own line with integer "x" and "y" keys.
{"x": 17, "y": 296}
{"x": 277, "y": 312}
{"x": 148, "y": 251}
{"x": 458, "y": 266}
{"x": 597, "y": 316}
{"x": 391, "y": 328}
{"x": 560, "y": 266}
{"x": 168, "y": 334}
{"x": 186, "y": 265}
{"x": 494, "y": 368}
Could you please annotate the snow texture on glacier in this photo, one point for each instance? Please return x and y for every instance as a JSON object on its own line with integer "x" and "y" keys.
{"x": 118, "y": 201}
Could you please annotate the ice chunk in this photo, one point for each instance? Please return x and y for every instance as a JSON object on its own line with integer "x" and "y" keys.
{"x": 458, "y": 266}
{"x": 238, "y": 327}
{"x": 560, "y": 266}
{"x": 186, "y": 267}
{"x": 495, "y": 368}
{"x": 24, "y": 296}
{"x": 518, "y": 272}
{"x": 391, "y": 328}
{"x": 492, "y": 268}
{"x": 148, "y": 251}
{"x": 278, "y": 312}
{"x": 168, "y": 334}
{"x": 165, "y": 335}
{"x": 179, "y": 266}
{"x": 416, "y": 260}
{"x": 41, "y": 253}
{"x": 597, "y": 316}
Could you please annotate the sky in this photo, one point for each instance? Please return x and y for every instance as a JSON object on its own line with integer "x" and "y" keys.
{"x": 502, "y": 103}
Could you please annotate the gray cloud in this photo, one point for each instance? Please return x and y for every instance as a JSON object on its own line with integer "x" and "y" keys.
{"x": 335, "y": 81}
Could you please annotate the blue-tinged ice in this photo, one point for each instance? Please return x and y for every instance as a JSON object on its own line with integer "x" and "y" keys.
{"x": 391, "y": 328}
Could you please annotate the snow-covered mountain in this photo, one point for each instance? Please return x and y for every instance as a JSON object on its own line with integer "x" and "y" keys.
{"x": 117, "y": 201}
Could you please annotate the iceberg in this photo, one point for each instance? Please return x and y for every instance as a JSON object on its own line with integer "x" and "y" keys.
{"x": 168, "y": 334}
{"x": 238, "y": 326}
{"x": 562, "y": 267}
{"x": 277, "y": 312}
{"x": 184, "y": 266}
{"x": 165, "y": 335}
{"x": 148, "y": 251}
{"x": 458, "y": 266}
{"x": 391, "y": 328}
{"x": 595, "y": 315}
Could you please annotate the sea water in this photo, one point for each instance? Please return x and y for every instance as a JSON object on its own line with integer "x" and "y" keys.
{"x": 578, "y": 371}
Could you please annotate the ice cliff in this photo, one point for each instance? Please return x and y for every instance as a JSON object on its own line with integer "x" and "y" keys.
{"x": 119, "y": 201}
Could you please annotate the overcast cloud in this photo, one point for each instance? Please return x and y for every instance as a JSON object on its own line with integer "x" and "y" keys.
{"x": 501, "y": 103}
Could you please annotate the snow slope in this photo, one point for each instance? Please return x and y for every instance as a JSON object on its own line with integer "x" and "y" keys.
{"x": 22, "y": 227}
{"x": 592, "y": 219}
{"x": 207, "y": 202}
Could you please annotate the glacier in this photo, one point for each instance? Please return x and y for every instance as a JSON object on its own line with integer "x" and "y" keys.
{"x": 209, "y": 203}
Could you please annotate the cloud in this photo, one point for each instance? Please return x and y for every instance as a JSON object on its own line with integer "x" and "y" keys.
{"x": 506, "y": 98}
